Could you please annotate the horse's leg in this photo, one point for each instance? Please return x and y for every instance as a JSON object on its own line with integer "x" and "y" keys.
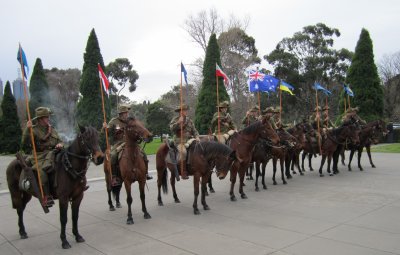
{"x": 343, "y": 156}
{"x": 329, "y": 164}
{"x": 110, "y": 203}
{"x": 309, "y": 162}
{"x": 233, "y": 181}
{"x": 303, "y": 156}
{"x": 286, "y": 161}
{"x": 368, "y": 147}
{"x": 19, "y": 200}
{"x": 350, "y": 159}
{"x": 264, "y": 165}
{"x": 143, "y": 199}
{"x": 204, "y": 180}
{"x": 210, "y": 183}
{"x": 359, "y": 158}
{"x": 282, "y": 161}
{"x": 251, "y": 171}
{"x": 75, "y": 215}
{"x": 257, "y": 175}
{"x": 297, "y": 162}
{"x": 172, "y": 181}
{"x": 241, "y": 183}
{"x": 336, "y": 154}
{"x": 274, "y": 169}
{"x": 196, "y": 181}
{"x": 160, "y": 175}
{"x": 322, "y": 165}
{"x": 63, "y": 203}
{"x": 127, "y": 184}
{"x": 116, "y": 191}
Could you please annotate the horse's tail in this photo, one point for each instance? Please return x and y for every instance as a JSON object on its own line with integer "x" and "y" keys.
{"x": 164, "y": 182}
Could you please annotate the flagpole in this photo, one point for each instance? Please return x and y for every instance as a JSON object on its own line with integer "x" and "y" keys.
{"x": 348, "y": 99}
{"x": 181, "y": 123}
{"x": 326, "y": 107}
{"x": 319, "y": 134}
{"x": 280, "y": 105}
{"x": 345, "y": 103}
{"x": 31, "y": 128}
{"x": 219, "y": 124}
{"x": 106, "y": 132}
{"x": 259, "y": 102}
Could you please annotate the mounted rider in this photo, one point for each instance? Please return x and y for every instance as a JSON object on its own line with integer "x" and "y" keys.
{"x": 251, "y": 116}
{"x": 351, "y": 115}
{"x": 183, "y": 139}
{"x": 226, "y": 125}
{"x": 46, "y": 140}
{"x": 116, "y": 127}
{"x": 327, "y": 123}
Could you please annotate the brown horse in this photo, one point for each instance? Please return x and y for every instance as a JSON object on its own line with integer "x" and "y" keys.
{"x": 336, "y": 137}
{"x": 132, "y": 165}
{"x": 202, "y": 158}
{"x": 243, "y": 143}
{"x": 70, "y": 176}
{"x": 293, "y": 157}
{"x": 310, "y": 146}
{"x": 369, "y": 134}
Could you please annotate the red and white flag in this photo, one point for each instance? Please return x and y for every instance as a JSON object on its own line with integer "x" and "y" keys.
{"x": 104, "y": 80}
{"x": 220, "y": 73}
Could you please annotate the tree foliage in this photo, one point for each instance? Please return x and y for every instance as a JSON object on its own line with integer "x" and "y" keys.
{"x": 364, "y": 80}
{"x": 10, "y": 127}
{"x": 172, "y": 97}
{"x": 158, "y": 117}
{"x": 207, "y": 99}
{"x": 120, "y": 71}
{"x": 89, "y": 108}
{"x": 308, "y": 57}
{"x": 38, "y": 88}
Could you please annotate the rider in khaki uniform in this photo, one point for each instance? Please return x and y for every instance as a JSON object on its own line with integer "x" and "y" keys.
{"x": 227, "y": 127}
{"x": 327, "y": 123}
{"x": 116, "y": 128}
{"x": 188, "y": 134}
{"x": 46, "y": 140}
{"x": 251, "y": 116}
{"x": 351, "y": 114}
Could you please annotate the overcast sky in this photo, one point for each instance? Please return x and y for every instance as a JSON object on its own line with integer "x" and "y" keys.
{"x": 150, "y": 33}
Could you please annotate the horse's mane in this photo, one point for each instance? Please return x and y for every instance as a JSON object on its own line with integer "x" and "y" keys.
{"x": 251, "y": 128}
{"x": 212, "y": 149}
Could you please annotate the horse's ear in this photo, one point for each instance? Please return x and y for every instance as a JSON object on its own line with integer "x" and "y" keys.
{"x": 81, "y": 128}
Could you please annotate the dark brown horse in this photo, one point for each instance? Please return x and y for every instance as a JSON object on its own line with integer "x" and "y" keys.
{"x": 202, "y": 158}
{"x": 70, "y": 176}
{"x": 243, "y": 143}
{"x": 293, "y": 157}
{"x": 336, "y": 137}
{"x": 310, "y": 146}
{"x": 132, "y": 165}
{"x": 369, "y": 134}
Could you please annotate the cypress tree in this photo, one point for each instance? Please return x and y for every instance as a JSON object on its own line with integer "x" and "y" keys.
{"x": 38, "y": 88}
{"x": 364, "y": 80}
{"x": 207, "y": 100}
{"x": 10, "y": 127}
{"x": 89, "y": 109}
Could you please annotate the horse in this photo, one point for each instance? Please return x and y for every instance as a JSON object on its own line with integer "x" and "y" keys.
{"x": 369, "y": 134}
{"x": 70, "y": 169}
{"x": 309, "y": 146}
{"x": 293, "y": 158}
{"x": 243, "y": 143}
{"x": 204, "y": 156}
{"x": 336, "y": 137}
{"x": 132, "y": 165}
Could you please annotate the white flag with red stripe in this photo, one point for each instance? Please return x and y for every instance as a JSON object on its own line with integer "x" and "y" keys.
{"x": 104, "y": 80}
{"x": 220, "y": 73}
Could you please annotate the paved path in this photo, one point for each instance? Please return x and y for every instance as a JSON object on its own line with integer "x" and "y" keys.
{"x": 351, "y": 213}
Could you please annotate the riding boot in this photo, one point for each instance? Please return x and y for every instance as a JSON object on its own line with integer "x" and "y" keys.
{"x": 114, "y": 170}
{"x": 48, "y": 199}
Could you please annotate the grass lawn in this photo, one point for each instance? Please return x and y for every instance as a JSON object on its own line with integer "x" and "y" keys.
{"x": 151, "y": 148}
{"x": 389, "y": 148}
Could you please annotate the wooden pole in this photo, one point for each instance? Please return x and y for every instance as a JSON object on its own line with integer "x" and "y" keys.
{"x": 181, "y": 133}
{"x": 348, "y": 99}
{"x": 318, "y": 117}
{"x": 219, "y": 123}
{"x": 259, "y": 102}
{"x": 30, "y": 120}
{"x": 106, "y": 132}
{"x": 280, "y": 106}
{"x": 345, "y": 104}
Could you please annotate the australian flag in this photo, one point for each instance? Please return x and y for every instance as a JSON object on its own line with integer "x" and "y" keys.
{"x": 262, "y": 82}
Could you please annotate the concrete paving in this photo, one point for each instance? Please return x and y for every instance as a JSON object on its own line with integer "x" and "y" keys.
{"x": 350, "y": 213}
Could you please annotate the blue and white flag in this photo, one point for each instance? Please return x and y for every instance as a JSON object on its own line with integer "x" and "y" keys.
{"x": 23, "y": 61}
{"x": 317, "y": 86}
{"x": 348, "y": 90}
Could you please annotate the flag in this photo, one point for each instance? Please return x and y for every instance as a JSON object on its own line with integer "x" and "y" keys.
{"x": 262, "y": 82}
{"x": 317, "y": 86}
{"x": 286, "y": 87}
{"x": 348, "y": 90}
{"x": 271, "y": 82}
{"x": 104, "y": 80}
{"x": 23, "y": 61}
{"x": 220, "y": 73}
{"x": 183, "y": 70}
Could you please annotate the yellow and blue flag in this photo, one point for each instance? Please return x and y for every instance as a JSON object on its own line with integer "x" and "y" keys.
{"x": 284, "y": 86}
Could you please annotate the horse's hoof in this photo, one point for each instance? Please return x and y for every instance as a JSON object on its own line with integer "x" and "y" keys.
{"x": 284, "y": 182}
{"x": 251, "y": 178}
{"x": 321, "y": 175}
{"x": 206, "y": 207}
{"x": 147, "y": 216}
{"x": 301, "y": 173}
{"x": 361, "y": 169}
{"x": 243, "y": 196}
{"x": 233, "y": 199}
{"x": 160, "y": 203}
{"x": 244, "y": 184}
{"x": 275, "y": 183}
{"x": 331, "y": 174}
{"x": 112, "y": 208}
{"x": 247, "y": 178}
{"x": 311, "y": 169}
{"x": 177, "y": 200}
{"x": 294, "y": 172}
{"x": 373, "y": 166}
{"x": 264, "y": 187}
{"x": 79, "y": 239}
{"x": 196, "y": 211}
{"x": 257, "y": 189}
{"x": 212, "y": 190}
{"x": 129, "y": 221}
{"x": 289, "y": 177}
{"x": 118, "y": 205}
{"x": 23, "y": 235}
{"x": 66, "y": 245}
{"x": 206, "y": 193}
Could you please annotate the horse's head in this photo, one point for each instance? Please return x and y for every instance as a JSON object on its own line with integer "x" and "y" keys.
{"x": 352, "y": 132}
{"x": 223, "y": 163}
{"x": 88, "y": 139}
{"x": 267, "y": 132}
{"x": 382, "y": 127}
{"x": 135, "y": 130}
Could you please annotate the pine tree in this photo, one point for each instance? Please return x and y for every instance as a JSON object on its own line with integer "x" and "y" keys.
{"x": 207, "y": 100}
{"x": 38, "y": 88}
{"x": 10, "y": 127}
{"x": 89, "y": 109}
{"x": 364, "y": 80}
